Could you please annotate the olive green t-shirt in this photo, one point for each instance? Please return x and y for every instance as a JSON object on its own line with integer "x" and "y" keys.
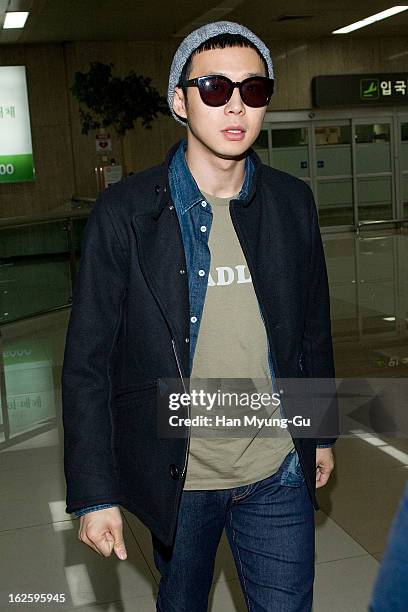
{"x": 232, "y": 344}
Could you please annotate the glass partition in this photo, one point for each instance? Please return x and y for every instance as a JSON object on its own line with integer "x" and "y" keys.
{"x": 38, "y": 262}
{"x": 37, "y": 266}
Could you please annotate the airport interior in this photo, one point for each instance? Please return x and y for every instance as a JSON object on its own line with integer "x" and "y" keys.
{"x": 338, "y": 120}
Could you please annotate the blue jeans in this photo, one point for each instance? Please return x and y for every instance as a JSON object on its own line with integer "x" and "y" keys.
{"x": 390, "y": 592}
{"x": 271, "y": 531}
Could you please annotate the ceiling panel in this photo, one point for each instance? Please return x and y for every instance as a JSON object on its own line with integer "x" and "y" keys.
{"x": 73, "y": 20}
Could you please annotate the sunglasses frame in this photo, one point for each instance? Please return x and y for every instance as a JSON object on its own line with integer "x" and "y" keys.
{"x": 232, "y": 85}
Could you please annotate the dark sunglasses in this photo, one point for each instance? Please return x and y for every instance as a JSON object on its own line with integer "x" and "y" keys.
{"x": 216, "y": 90}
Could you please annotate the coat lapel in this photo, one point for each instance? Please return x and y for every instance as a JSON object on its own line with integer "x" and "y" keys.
{"x": 161, "y": 256}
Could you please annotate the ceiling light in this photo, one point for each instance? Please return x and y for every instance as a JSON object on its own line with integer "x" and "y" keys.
{"x": 15, "y": 20}
{"x": 368, "y": 20}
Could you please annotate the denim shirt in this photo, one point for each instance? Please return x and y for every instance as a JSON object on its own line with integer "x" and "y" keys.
{"x": 195, "y": 219}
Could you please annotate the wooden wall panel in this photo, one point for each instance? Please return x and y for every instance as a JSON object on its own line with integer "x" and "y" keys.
{"x": 142, "y": 147}
{"x": 65, "y": 158}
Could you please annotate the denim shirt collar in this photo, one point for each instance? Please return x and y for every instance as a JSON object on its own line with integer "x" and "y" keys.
{"x": 185, "y": 189}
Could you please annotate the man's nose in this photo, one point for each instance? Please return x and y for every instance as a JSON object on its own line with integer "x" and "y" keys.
{"x": 235, "y": 102}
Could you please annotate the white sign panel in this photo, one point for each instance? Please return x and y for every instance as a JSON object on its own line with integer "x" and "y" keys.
{"x": 16, "y": 152}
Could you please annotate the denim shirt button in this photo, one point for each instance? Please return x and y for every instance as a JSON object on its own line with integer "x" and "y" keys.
{"x": 203, "y": 228}
{"x": 201, "y": 272}
{"x": 204, "y": 203}
{"x": 194, "y": 319}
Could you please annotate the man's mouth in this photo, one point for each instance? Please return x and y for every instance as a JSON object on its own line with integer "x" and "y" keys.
{"x": 234, "y": 129}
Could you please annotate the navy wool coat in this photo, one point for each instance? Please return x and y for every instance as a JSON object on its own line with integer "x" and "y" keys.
{"x": 130, "y": 319}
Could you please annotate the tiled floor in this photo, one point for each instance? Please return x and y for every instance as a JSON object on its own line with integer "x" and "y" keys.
{"x": 40, "y": 551}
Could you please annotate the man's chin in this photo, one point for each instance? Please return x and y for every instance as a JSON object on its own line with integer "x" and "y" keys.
{"x": 236, "y": 157}
{"x": 232, "y": 152}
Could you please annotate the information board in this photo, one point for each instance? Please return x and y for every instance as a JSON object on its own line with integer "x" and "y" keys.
{"x": 16, "y": 153}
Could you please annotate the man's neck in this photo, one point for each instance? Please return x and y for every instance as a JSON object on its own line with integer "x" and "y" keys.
{"x": 219, "y": 177}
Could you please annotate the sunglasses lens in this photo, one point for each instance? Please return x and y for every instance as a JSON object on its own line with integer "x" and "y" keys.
{"x": 256, "y": 92}
{"x": 217, "y": 90}
{"x": 214, "y": 90}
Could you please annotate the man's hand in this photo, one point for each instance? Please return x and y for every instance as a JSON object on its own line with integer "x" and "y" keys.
{"x": 324, "y": 465}
{"x": 102, "y": 530}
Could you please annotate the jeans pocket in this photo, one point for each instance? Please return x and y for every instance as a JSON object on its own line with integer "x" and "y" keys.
{"x": 292, "y": 473}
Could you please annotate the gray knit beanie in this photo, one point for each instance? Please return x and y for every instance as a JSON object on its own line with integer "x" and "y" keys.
{"x": 195, "y": 39}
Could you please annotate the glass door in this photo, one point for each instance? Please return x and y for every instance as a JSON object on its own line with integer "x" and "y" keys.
{"x": 261, "y": 146}
{"x": 286, "y": 148}
{"x": 333, "y": 171}
{"x": 373, "y": 169}
{"x": 290, "y": 149}
{"x": 355, "y": 163}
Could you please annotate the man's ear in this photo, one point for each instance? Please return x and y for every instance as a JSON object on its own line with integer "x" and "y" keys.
{"x": 179, "y": 103}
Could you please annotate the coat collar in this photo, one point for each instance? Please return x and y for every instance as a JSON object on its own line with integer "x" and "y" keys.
{"x": 162, "y": 188}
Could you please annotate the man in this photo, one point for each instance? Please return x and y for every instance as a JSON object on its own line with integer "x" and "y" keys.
{"x": 390, "y": 592}
{"x": 210, "y": 241}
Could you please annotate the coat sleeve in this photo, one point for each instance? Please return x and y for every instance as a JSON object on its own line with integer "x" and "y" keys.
{"x": 317, "y": 342}
{"x": 95, "y": 318}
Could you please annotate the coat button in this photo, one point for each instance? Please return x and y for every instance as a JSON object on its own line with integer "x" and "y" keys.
{"x": 182, "y": 271}
{"x": 174, "y": 471}
{"x": 171, "y": 207}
